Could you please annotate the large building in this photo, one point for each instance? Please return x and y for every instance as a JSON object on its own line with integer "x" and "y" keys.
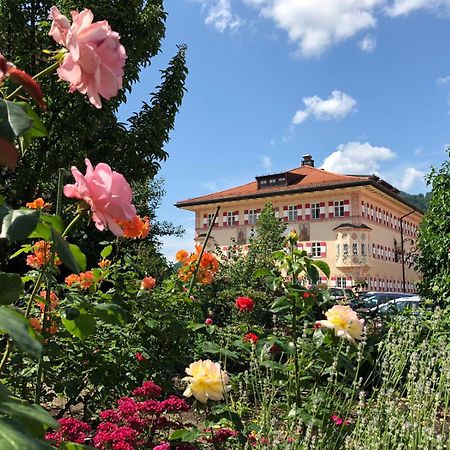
{"x": 353, "y": 222}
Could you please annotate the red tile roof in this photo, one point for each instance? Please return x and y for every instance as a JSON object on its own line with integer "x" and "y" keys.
{"x": 312, "y": 179}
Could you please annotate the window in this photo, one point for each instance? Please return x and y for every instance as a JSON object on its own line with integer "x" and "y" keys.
{"x": 272, "y": 181}
{"x": 363, "y": 249}
{"x": 355, "y": 248}
{"x": 263, "y": 183}
{"x": 316, "y": 249}
{"x": 292, "y": 212}
{"x": 230, "y": 218}
{"x": 281, "y": 181}
{"x": 315, "y": 210}
{"x": 341, "y": 282}
{"x": 252, "y": 216}
{"x": 345, "y": 249}
{"x": 339, "y": 209}
{"x": 210, "y": 219}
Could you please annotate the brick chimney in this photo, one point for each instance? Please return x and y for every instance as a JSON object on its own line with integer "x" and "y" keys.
{"x": 307, "y": 161}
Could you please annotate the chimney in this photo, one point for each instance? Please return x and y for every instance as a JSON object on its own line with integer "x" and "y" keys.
{"x": 307, "y": 161}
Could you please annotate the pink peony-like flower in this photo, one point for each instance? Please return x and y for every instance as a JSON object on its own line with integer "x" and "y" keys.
{"x": 95, "y": 59}
{"x": 107, "y": 192}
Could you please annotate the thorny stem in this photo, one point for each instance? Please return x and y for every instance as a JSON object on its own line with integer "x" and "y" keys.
{"x": 208, "y": 234}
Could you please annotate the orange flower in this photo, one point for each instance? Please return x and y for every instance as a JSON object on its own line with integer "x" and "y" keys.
{"x": 207, "y": 268}
{"x": 38, "y": 203}
{"x": 104, "y": 263}
{"x": 181, "y": 255}
{"x": 36, "y": 324}
{"x": 53, "y": 300}
{"x": 136, "y": 227}
{"x": 85, "y": 279}
{"x": 41, "y": 255}
{"x": 148, "y": 283}
{"x": 72, "y": 279}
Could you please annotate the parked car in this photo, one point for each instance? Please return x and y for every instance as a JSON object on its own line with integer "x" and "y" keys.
{"x": 374, "y": 299}
{"x": 398, "y": 305}
{"x": 342, "y": 294}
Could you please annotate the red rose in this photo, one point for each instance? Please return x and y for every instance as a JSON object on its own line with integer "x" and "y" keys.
{"x": 140, "y": 357}
{"x": 208, "y": 321}
{"x": 251, "y": 337}
{"x": 245, "y": 304}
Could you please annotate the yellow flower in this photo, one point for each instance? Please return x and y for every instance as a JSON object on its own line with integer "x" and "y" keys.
{"x": 207, "y": 381}
{"x": 344, "y": 321}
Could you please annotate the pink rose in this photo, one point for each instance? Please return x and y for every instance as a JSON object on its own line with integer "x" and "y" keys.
{"x": 94, "y": 63}
{"x": 107, "y": 192}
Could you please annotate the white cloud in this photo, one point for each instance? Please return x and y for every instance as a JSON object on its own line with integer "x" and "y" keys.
{"x": 412, "y": 178}
{"x": 443, "y": 80}
{"x": 315, "y": 25}
{"x": 357, "y": 158}
{"x": 171, "y": 244}
{"x": 368, "y": 43}
{"x": 210, "y": 186}
{"x": 404, "y": 7}
{"x": 266, "y": 162}
{"x": 220, "y": 15}
{"x": 337, "y": 106}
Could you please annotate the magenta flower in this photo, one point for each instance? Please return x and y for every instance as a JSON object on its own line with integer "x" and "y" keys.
{"x": 107, "y": 193}
{"x": 95, "y": 59}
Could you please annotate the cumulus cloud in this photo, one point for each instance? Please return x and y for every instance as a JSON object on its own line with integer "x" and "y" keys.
{"x": 171, "y": 244}
{"x": 405, "y": 7}
{"x": 266, "y": 163}
{"x": 368, "y": 43}
{"x": 337, "y": 106}
{"x": 443, "y": 80}
{"x": 314, "y": 26}
{"x": 221, "y": 16}
{"x": 411, "y": 178}
{"x": 357, "y": 158}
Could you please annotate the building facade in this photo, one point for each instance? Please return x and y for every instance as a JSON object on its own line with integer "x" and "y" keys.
{"x": 354, "y": 223}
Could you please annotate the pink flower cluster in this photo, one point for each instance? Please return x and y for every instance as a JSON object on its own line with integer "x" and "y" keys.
{"x": 70, "y": 429}
{"x": 220, "y": 435}
{"x": 131, "y": 425}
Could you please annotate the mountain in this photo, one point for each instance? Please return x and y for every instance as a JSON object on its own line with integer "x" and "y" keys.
{"x": 419, "y": 200}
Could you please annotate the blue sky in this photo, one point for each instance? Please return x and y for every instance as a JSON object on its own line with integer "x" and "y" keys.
{"x": 362, "y": 85}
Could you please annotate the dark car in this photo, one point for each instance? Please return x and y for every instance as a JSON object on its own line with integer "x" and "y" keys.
{"x": 342, "y": 294}
{"x": 369, "y": 300}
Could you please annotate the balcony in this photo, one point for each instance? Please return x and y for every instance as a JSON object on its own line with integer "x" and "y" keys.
{"x": 349, "y": 261}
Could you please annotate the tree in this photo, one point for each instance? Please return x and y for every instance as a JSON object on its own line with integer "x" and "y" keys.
{"x": 433, "y": 261}
{"x": 269, "y": 237}
{"x": 134, "y": 149}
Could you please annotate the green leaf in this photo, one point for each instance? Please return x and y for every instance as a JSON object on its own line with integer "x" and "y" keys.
{"x": 18, "y": 224}
{"x": 261, "y": 273}
{"x": 106, "y": 251}
{"x": 13, "y": 120}
{"x": 323, "y": 266}
{"x": 37, "y": 129}
{"x": 34, "y": 418}
{"x": 11, "y": 288}
{"x": 13, "y": 323}
{"x": 13, "y": 436}
{"x": 82, "y": 326}
{"x": 79, "y": 256}
{"x": 313, "y": 273}
{"x": 228, "y": 353}
{"x": 4, "y": 210}
{"x": 24, "y": 248}
{"x": 185, "y": 435}
{"x": 110, "y": 313}
{"x": 43, "y": 229}
{"x": 64, "y": 252}
{"x": 281, "y": 304}
{"x": 318, "y": 338}
{"x": 210, "y": 347}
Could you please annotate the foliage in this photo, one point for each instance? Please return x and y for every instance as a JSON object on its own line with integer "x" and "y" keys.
{"x": 433, "y": 261}
{"x": 141, "y": 24}
{"x": 419, "y": 200}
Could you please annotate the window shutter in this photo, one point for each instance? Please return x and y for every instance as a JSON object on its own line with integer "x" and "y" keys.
{"x": 299, "y": 212}
{"x": 307, "y": 211}
{"x": 225, "y": 218}
{"x": 246, "y": 217}
{"x": 330, "y": 210}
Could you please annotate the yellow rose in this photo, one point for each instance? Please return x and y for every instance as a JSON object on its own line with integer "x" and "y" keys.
{"x": 206, "y": 381}
{"x": 344, "y": 321}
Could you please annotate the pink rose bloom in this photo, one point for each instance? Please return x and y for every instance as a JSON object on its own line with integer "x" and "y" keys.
{"x": 95, "y": 59}
{"x": 107, "y": 192}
